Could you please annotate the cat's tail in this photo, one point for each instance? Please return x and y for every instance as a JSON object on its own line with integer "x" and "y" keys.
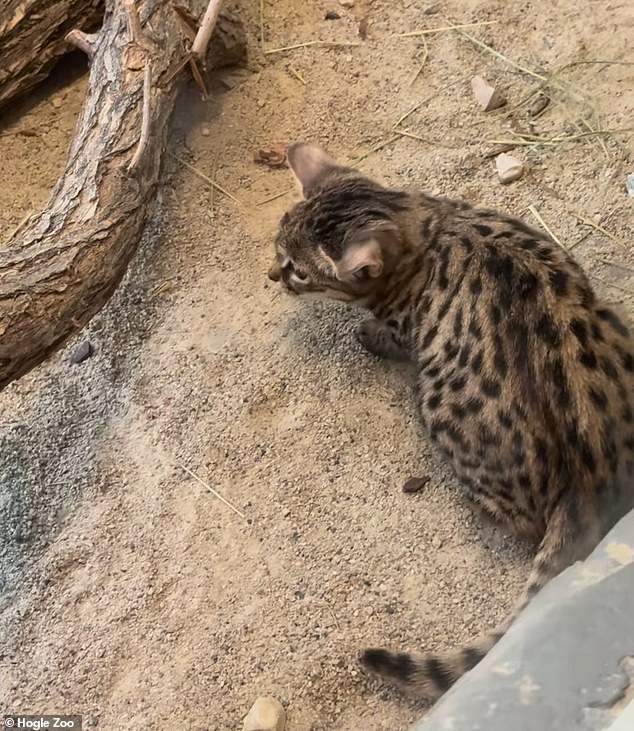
{"x": 431, "y": 675}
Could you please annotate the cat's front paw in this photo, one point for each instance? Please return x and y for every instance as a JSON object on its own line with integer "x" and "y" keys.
{"x": 380, "y": 339}
{"x": 367, "y": 333}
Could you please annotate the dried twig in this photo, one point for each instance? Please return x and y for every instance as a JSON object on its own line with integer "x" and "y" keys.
{"x": 617, "y": 265}
{"x": 296, "y": 74}
{"x": 134, "y": 22}
{"x": 201, "y": 41}
{"x": 206, "y": 178}
{"x": 145, "y": 119}
{"x": 215, "y": 493}
{"x": 500, "y": 56}
{"x": 307, "y": 44}
{"x": 376, "y": 148}
{"x": 84, "y": 41}
{"x": 596, "y": 226}
{"x": 420, "y": 138}
{"x": 272, "y": 198}
{"x": 428, "y": 31}
{"x": 421, "y": 65}
{"x": 612, "y": 284}
{"x": 544, "y": 225}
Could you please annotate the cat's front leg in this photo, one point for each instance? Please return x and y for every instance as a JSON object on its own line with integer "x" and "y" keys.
{"x": 382, "y": 339}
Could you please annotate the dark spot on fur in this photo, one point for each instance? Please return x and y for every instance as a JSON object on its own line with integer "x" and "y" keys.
{"x": 482, "y": 229}
{"x": 609, "y": 369}
{"x": 458, "y": 383}
{"x": 547, "y": 331}
{"x": 580, "y": 331}
{"x": 541, "y": 450}
{"x": 438, "y": 673}
{"x": 586, "y": 295}
{"x": 424, "y": 303}
{"x": 505, "y": 419}
{"x": 463, "y": 358}
{"x": 432, "y": 372}
{"x": 467, "y": 244}
{"x": 599, "y": 398}
{"x": 527, "y": 285}
{"x": 474, "y": 405}
{"x": 451, "y": 350}
{"x": 474, "y": 329}
{"x": 487, "y": 437}
{"x": 434, "y": 401}
{"x": 458, "y": 411}
{"x": 596, "y": 333}
{"x": 611, "y": 317}
{"x": 457, "y": 323}
{"x": 490, "y": 387}
{"x": 395, "y": 665}
{"x": 429, "y": 337}
{"x": 476, "y": 363}
{"x": 559, "y": 282}
{"x": 501, "y": 267}
{"x": 561, "y": 383}
{"x": 544, "y": 253}
{"x": 524, "y": 481}
{"x": 588, "y": 359}
{"x": 443, "y": 282}
{"x": 496, "y": 315}
{"x": 499, "y": 360}
{"x": 475, "y": 286}
{"x": 529, "y": 244}
{"x": 471, "y": 656}
{"x": 588, "y": 458}
{"x": 438, "y": 384}
{"x": 626, "y": 414}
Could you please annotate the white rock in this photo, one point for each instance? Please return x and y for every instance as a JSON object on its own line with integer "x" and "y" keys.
{"x": 346, "y": 3}
{"x": 486, "y": 96}
{"x": 509, "y": 168}
{"x": 266, "y": 714}
{"x": 629, "y": 185}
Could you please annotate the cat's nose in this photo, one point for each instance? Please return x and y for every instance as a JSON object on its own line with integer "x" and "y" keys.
{"x": 275, "y": 272}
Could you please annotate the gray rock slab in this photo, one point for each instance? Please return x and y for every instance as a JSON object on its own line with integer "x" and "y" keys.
{"x": 567, "y": 662}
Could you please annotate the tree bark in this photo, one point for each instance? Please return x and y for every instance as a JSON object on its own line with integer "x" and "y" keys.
{"x": 32, "y": 36}
{"x": 62, "y": 267}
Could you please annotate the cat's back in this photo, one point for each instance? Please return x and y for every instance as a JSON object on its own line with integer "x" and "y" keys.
{"x": 522, "y": 367}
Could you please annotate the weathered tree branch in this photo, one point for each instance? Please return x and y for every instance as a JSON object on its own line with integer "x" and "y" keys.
{"x": 60, "y": 269}
{"x": 32, "y": 36}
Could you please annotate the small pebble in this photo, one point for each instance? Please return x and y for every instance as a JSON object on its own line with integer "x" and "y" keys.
{"x": 346, "y": 3}
{"x": 332, "y": 15}
{"x": 205, "y": 131}
{"x": 266, "y": 714}
{"x": 486, "y": 96}
{"x": 414, "y": 484}
{"x": 437, "y": 542}
{"x": 509, "y": 168}
{"x": 57, "y": 102}
{"x": 81, "y": 353}
{"x": 629, "y": 185}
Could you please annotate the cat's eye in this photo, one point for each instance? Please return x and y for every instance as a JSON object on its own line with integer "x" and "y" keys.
{"x": 300, "y": 275}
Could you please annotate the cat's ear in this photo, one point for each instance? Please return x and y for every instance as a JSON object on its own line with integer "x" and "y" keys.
{"x": 308, "y": 163}
{"x": 361, "y": 258}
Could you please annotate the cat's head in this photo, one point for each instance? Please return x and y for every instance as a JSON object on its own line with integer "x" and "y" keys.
{"x": 334, "y": 243}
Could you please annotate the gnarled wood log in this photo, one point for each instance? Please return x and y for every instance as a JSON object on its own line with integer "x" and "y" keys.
{"x": 63, "y": 266}
{"x": 32, "y": 38}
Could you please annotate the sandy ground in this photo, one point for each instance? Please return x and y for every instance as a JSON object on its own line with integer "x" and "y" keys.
{"x": 128, "y": 592}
